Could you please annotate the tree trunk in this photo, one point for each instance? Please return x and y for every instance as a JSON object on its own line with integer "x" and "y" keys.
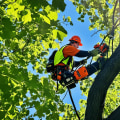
{"x": 97, "y": 93}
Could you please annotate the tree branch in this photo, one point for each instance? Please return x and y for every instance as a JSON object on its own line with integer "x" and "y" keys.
{"x": 115, "y": 115}
{"x": 114, "y": 11}
{"x": 103, "y": 80}
{"x": 95, "y": 33}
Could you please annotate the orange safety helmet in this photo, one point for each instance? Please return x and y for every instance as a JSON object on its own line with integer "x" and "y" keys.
{"x": 77, "y": 39}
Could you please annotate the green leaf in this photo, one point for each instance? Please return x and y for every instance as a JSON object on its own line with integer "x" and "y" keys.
{"x": 59, "y": 4}
{"x": 27, "y": 18}
{"x": 54, "y": 32}
{"x": 61, "y": 35}
{"x": 89, "y": 13}
{"x": 71, "y": 23}
{"x": 2, "y": 114}
{"x": 82, "y": 16}
{"x": 79, "y": 9}
{"x": 62, "y": 29}
{"x": 46, "y": 44}
{"x": 53, "y": 15}
{"x": 82, "y": 20}
{"x": 69, "y": 18}
{"x": 43, "y": 28}
{"x": 45, "y": 18}
{"x": 8, "y": 30}
{"x": 37, "y": 4}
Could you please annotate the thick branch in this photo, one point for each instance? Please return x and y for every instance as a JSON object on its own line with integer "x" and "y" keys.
{"x": 97, "y": 93}
{"x": 115, "y": 115}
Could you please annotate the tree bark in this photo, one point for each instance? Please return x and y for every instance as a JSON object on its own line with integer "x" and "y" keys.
{"x": 97, "y": 93}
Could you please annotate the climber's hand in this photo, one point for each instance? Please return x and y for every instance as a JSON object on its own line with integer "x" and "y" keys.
{"x": 94, "y": 52}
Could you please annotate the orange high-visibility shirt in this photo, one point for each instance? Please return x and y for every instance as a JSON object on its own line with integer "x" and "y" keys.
{"x": 70, "y": 51}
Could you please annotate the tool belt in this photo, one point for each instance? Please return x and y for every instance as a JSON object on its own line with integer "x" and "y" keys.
{"x": 64, "y": 76}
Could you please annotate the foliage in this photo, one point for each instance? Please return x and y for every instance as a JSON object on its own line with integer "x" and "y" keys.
{"x": 27, "y": 30}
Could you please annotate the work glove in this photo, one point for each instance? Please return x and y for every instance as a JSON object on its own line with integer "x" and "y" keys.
{"x": 82, "y": 62}
{"x": 94, "y": 52}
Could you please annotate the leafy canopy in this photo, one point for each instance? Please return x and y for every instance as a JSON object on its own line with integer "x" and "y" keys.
{"x": 28, "y": 29}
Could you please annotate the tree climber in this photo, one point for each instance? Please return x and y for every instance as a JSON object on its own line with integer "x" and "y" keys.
{"x": 64, "y": 64}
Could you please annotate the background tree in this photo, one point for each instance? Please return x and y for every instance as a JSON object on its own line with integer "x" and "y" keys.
{"x": 27, "y": 30}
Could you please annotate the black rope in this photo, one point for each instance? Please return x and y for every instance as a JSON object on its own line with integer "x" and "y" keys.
{"x": 57, "y": 79}
{"x": 73, "y": 103}
{"x": 112, "y": 46}
{"x": 119, "y": 21}
{"x": 57, "y": 86}
{"x": 65, "y": 95}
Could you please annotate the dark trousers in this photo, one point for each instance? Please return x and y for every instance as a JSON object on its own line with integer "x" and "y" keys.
{"x": 94, "y": 67}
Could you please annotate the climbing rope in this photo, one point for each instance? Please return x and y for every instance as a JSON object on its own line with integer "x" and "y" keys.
{"x": 73, "y": 103}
